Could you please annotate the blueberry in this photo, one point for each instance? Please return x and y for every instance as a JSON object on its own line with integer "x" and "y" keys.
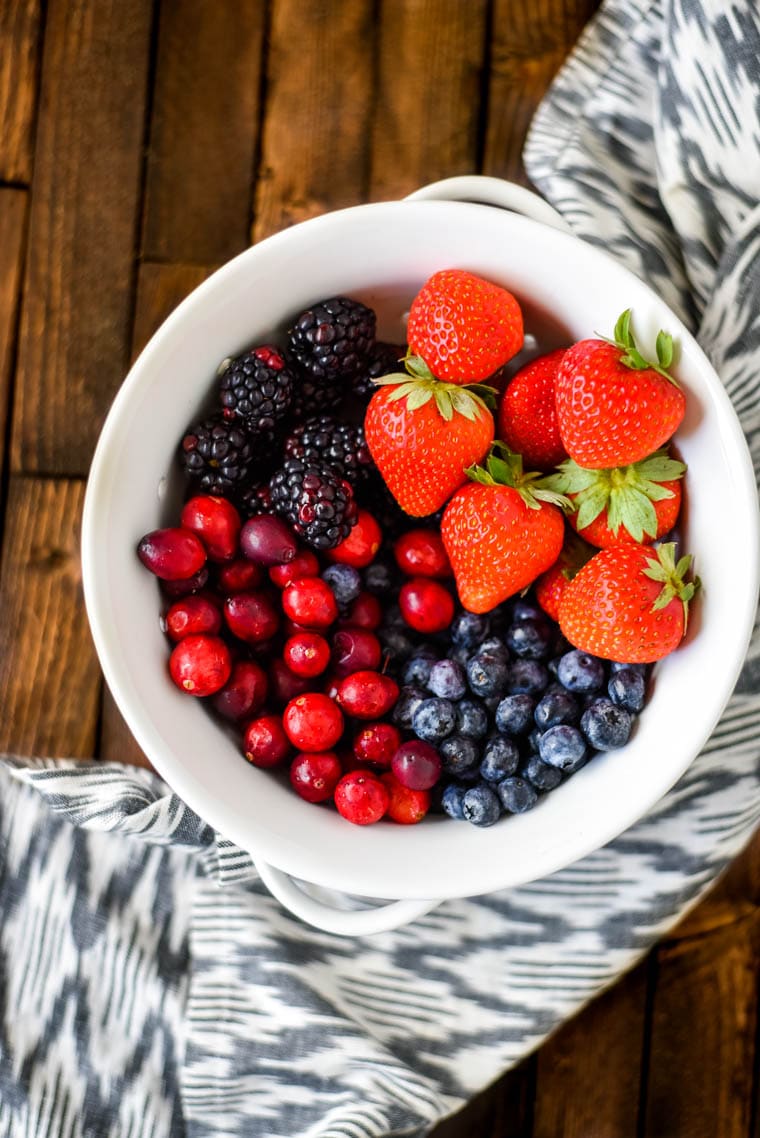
{"x": 606, "y": 726}
{"x": 616, "y": 666}
{"x": 452, "y": 800}
{"x": 472, "y": 719}
{"x": 578, "y": 671}
{"x": 501, "y": 758}
{"x": 514, "y": 714}
{"x": 480, "y": 805}
{"x": 527, "y": 677}
{"x": 460, "y": 756}
{"x": 448, "y": 680}
{"x": 627, "y": 689}
{"x": 555, "y": 707}
{"x": 517, "y": 795}
{"x": 469, "y": 629}
{"x": 526, "y": 610}
{"x": 345, "y": 582}
{"x": 494, "y": 644}
{"x": 379, "y": 578}
{"x": 530, "y": 639}
{"x": 563, "y": 747}
{"x": 417, "y": 668}
{"x": 395, "y": 643}
{"x": 540, "y": 774}
{"x": 433, "y": 719}
{"x": 409, "y": 699}
{"x": 487, "y": 673}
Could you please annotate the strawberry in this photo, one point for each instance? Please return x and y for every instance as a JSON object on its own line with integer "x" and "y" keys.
{"x": 613, "y": 406}
{"x": 628, "y": 603}
{"x": 550, "y": 586}
{"x": 500, "y": 532}
{"x": 640, "y": 502}
{"x": 464, "y": 327}
{"x": 528, "y": 415}
{"x": 423, "y": 434}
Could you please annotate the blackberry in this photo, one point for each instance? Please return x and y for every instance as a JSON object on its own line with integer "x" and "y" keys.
{"x": 218, "y": 455}
{"x": 383, "y": 359}
{"x": 316, "y": 501}
{"x": 323, "y": 439}
{"x": 332, "y": 339}
{"x": 254, "y": 500}
{"x": 257, "y": 387}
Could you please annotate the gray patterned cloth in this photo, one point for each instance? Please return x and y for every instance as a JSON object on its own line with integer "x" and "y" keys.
{"x": 150, "y": 987}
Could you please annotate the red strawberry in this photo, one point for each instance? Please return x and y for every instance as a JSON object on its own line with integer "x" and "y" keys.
{"x": 464, "y": 327}
{"x": 613, "y": 406}
{"x": 551, "y": 585}
{"x": 640, "y": 502}
{"x": 628, "y": 603}
{"x": 528, "y": 414}
{"x": 500, "y": 532}
{"x": 423, "y": 435}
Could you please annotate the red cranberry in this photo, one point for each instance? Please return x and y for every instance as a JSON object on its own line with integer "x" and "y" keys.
{"x": 425, "y": 605}
{"x": 311, "y": 602}
{"x": 187, "y": 587}
{"x": 313, "y": 722}
{"x": 304, "y": 564}
{"x": 361, "y": 546}
{"x": 265, "y": 743}
{"x": 315, "y": 774}
{"x": 285, "y": 685}
{"x": 355, "y": 650}
{"x": 268, "y": 540}
{"x": 244, "y": 693}
{"x": 405, "y": 805}
{"x": 251, "y": 617}
{"x": 367, "y": 695}
{"x": 216, "y": 522}
{"x": 365, "y": 612}
{"x": 331, "y": 685}
{"x": 360, "y": 797}
{"x": 417, "y": 765}
{"x": 191, "y": 615}
{"x": 239, "y": 576}
{"x": 421, "y": 553}
{"x": 173, "y": 554}
{"x": 377, "y": 743}
{"x": 200, "y": 665}
{"x": 307, "y": 654}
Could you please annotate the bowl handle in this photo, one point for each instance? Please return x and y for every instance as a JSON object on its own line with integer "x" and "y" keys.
{"x": 492, "y": 191}
{"x": 343, "y": 922}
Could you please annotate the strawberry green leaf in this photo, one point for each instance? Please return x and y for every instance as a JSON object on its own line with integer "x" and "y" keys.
{"x": 664, "y": 349}
{"x": 418, "y": 397}
{"x": 631, "y": 357}
{"x": 417, "y": 367}
{"x": 591, "y": 502}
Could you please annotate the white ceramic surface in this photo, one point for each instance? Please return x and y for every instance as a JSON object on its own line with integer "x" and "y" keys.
{"x": 382, "y": 253}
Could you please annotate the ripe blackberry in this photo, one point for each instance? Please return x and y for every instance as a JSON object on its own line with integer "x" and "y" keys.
{"x": 316, "y": 500}
{"x": 257, "y": 387}
{"x": 218, "y": 455}
{"x": 323, "y": 439}
{"x": 333, "y": 338}
{"x": 383, "y": 359}
{"x": 254, "y": 500}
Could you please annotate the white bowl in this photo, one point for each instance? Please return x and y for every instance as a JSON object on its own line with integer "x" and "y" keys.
{"x": 381, "y": 254}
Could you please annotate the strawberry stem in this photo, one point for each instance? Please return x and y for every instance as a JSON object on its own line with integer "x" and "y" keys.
{"x": 663, "y": 567}
{"x": 624, "y": 339}
{"x": 504, "y": 467}
{"x": 418, "y": 386}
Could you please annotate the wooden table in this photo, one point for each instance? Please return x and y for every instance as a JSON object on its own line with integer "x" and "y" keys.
{"x": 141, "y": 145}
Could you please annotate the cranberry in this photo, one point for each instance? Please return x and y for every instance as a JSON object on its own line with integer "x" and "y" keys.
{"x": 191, "y": 615}
{"x": 361, "y": 546}
{"x": 216, "y": 522}
{"x": 239, "y": 576}
{"x": 307, "y": 654}
{"x": 265, "y": 743}
{"x": 377, "y": 743}
{"x": 173, "y": 554}
{"x": 285, "y": 685}
{"x": 251, "y": 617}
{"x": 244, "y": 693}
{"x": 313, "y": 722}
{"x": 367, "y": 695}
{"x": 425, "y": 605}
{"x": 311, "y": 602}
{"x": 355, "y": 650}
{"x": 360, "y": 797}
{"x": 417, "y": 765}
{"x": 304, "y": 564}
{"x": 315, "y": 774}
{"x": 200, "y": 665}
{"x": 405, "y": 805}
{"x": 331, "y": 685}
{"x": 365, "y": 612}
{"x": 421, "y": 553}
{"x": 268, "y": 540}
{"x": 188, "y": 586}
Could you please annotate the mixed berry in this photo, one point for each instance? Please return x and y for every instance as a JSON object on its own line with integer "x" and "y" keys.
{"x": 397, "y": 609}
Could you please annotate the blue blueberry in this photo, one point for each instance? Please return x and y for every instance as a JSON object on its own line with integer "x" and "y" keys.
{"x": 379, "y": 578}
{"x": 409, "y": 699}
{"x": 628, "y": 689}
{"x": 469, "y": 629}
{"x": 452, "y": 800}
{"x": 563, "y": 747}
{"x": 472, "y": 719}
{"x": 448, "y": 679}
{"x": 417, "y": 668}
{"x": 526, "y": 610}
{"x": 529, "y": 639}
{"x": 481, "y": 805}
{"x": 580, "y": 672}
{"x": 517, "y": 795}
{"x": 345, "y": 582}
{"x": 514, "y": 714}
{"x": 433, "y": 719}
{"x": 501, "y": 758}
{"x": 460, "y": 756}
{"x": 527, "y": 677}
{"x": 396, "y": 644}
{"x": 616, "y": 666}
{"x": 540, "y": 774}
{"x": 494, "y": 644}
{"x": 606, "y": 726}
{"x": 555, "y": 707}
{"x": 487, "y": 673}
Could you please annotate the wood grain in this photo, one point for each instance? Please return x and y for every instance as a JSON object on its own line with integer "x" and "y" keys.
{"x": 204, "y": 130}
{"x": 19, "y": 67}
{"x": 503, "y": 1110}
{"x": 13, "y": 205}
{"x": 49, "y": 677}
{"x": 77, "y": 303}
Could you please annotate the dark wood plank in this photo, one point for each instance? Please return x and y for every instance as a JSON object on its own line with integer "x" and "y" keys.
{"x": 12, "y": 240}
{"x": 19, "y": 66}
{"x": 49, "y": 677}
{"x": 315, "y": 142}
{"x": 204, "y": 129}
{"x": 427, "y": 111}
{"x": 74, "y": 340}
{"x": 503, "y": 1110}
